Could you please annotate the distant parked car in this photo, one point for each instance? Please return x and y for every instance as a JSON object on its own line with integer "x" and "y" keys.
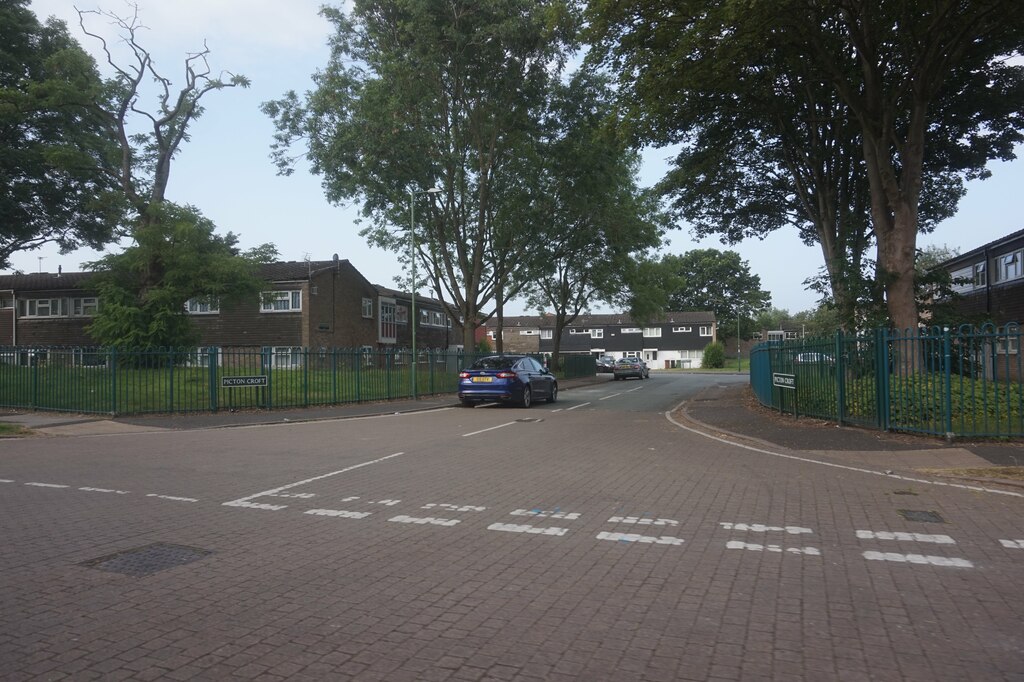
{"x": 605, "y": 363}
{"x": 630, "y": 367}
{"x": 507, "y": 378}
{"x": 813, "y": 359}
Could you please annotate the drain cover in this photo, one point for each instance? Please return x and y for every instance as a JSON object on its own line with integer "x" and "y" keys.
{"x": 148, "y": 559}
{"x": 922, "y": 516}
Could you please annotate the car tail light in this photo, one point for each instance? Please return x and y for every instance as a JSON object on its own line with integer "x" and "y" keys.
{"x": 463, "y": 375}
{"x": 506, "y": 375}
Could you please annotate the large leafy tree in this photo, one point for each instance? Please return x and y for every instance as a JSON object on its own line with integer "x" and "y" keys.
{"x": 55, "y": 180}
{"x": 922, "y": 88}
{"x": 594, "y": 219}
{"x": 140, "y": 312}
{"x": 419, "y": 94}
{"x": 719, "y": 281}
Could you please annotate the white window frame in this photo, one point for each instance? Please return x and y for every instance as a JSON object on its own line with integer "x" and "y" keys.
{"x": 631, "y": 330}
{"x": 194, "y": 306}
{"x": 682, "y": 330}
{"x": 30, "y": 307}
{"x": 597, "y": 333}
{"x": 1009, "y": 266}
{"x": 527, "y": 332}
{"x": 286, "y": 357}
{"x": 290, "y": 300}
{"x": 401, "y": 314}
{"x": 1008, "y": 345}
{"x": 652, "y": 332}
{"x": 980, "y": 275}
{"x": 547, "y": 333}
{"x": 706, "y": 330}
{"x": 387, "y": 321}
{"x": 367, "y": 308}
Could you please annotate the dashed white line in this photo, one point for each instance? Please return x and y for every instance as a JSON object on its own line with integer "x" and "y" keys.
{"x": 514, "y": 528}
{"x": 499, "y": 426}
{"x": 6, "y": 480}
{"x": 426, "y": 520}
{"x": 736, "y": 544}
{"x": 643, "y": 521}
{"x": 454, "y": 507}
{"x": 1012, "y": 544}
{"x": 576, "y": 407}
{"x": 537, "y": 513}
{"x": 918, "y": 559}
{"x": 642, "y": 539}
{"x": 611, "y": 396}
{"x": 47, "y": 485}
{"x": 104, "y": 490}
{"x": 759, "y": 528}
{"x": 909, "y": 537}
{"x": 339, "y": 513}
{"x": 173, "y": 498}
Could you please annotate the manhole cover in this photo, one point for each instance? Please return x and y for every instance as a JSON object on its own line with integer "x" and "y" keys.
{"x": 147, "y": 560}
{"x": 921, "y": 516}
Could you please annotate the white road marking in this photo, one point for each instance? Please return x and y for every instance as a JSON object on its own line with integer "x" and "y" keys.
{"x": 513, "y": 528}
{"x": 638, "y": 388}
{"x": 350, "y": 499}
{"x": 6, "y": 480}
{"x": 642, "y": 539}
{"x": 537, "y": 513}
{"x": 611, "y": 396}
{"x": 641, "y": 521}
{"x": 576, "y": 407}
{"x": 499, "y": 426}
{"x": 304, "y": 496}
{"x": 430, "y": 520}
{"x": 48, "y": 485}
{"x": 736, "y": 544}
{"x": 454, "y": 507}
{"x": 807, "y": 460}
{"x": 338, "y": 512}
{"x": 387, "y": 503}
{"x": 178, "y": 499}
{"x": 244, "y": 501}
{"x": 104, "y": 490}
{"x": 1012, "y": 544}
{"x": 918, "y": 559}
{"x": 759, "y": 528}
{"x": 910, "y": 537}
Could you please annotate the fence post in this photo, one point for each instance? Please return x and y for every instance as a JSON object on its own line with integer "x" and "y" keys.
{"x": 882, "y": 359}
{"x": 211, "y": 364}
{"x": 113, "y": 380}
{"x": 947, "y": 379}
{"x": 305, "y": 376}
{"x": 334, "y": 375}
{"x": 840, "y": 378}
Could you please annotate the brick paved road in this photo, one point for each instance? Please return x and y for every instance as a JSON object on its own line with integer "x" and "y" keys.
{"x": 593, "y": 539}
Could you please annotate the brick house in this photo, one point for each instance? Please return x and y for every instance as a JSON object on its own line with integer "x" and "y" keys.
{"x": 311, "y": 304}
{"x": 992, "y": 280}
{"x": 677, "y": 340}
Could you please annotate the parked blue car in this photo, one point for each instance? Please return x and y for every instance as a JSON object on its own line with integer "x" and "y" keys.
{"x": 507, "y": 378}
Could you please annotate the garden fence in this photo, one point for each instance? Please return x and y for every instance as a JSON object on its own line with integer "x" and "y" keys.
{"x": 120, "y": 382}
{"x": 942, "y": 381}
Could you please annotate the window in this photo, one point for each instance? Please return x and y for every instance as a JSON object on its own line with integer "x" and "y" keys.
{"x": 286, "y": 357}
{"x": 597, "y": 333}
{"x": 631, "y": 330}
{"x": 652, "y": 332}
{"x": 573, "y": 330}
{"x": 790, "y": 336}
{"x": 682, "y": 330}
{"x": 388, "y": 329}
{"x": 40, "y": 307}
{"x": 527, "y": 332}
{"x": 368, "y": 308}
{"x": 705, "y": 330}
{"x": 281, "y": 301}
{"x": 401, "y": 315}
{"x": 1008, "y": 345}
{"x": 547, "y": 334}
{"x": 1009, "y": 266}
{"x": 980, "y": 275}
{"x": 6, "y": 303}
{"x": 631, "y": 354}
{"x": 196, "y": 306}
{"x": 84, "y": 307}
{"x": 436, "y": 318}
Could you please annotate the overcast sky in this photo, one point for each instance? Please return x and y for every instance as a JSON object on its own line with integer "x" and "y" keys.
{"x": 226, "y": 172}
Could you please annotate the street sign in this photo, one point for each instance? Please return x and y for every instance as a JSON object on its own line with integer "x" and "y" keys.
{"x": 784, "y": 380}
{"x": 242, "y": 382}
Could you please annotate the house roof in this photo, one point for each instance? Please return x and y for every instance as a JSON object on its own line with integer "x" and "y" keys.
{"x": 603, "y": 319}
{"x": 44, "y": 281}
{"x": 281, "y": 271}
{"x": 992, "y": 245}
{"x": 395, "y": 293}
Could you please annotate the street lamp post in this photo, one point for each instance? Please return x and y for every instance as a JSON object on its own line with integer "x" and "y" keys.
{"x": 412, "y": 260}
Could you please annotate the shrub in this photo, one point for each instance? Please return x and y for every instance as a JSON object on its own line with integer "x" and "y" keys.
{"x": 714, "y": 356}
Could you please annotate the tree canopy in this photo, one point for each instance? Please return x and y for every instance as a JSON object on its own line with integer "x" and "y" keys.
{"x": 709, "y": 279}
{"x": 922, "y": 91}
{"x": 54, "y": 181}
{"x": 419, "y": 94}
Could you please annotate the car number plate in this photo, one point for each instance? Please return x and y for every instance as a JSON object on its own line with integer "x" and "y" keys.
{"x": 482, "y": 380}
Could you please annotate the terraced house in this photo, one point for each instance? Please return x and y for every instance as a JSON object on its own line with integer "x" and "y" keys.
{"x": 307, "y": 304}
{"x": 677, "y": 340}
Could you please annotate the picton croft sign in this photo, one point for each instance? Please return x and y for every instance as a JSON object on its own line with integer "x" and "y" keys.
{"x": 784, "y": 380}
{"x": 242, "y": 382}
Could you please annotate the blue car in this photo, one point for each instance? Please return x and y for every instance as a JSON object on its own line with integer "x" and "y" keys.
{"x": 515, "y": 379}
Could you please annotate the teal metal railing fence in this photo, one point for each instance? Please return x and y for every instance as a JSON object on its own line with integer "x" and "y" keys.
{"x": 941, "y": 381}
{"x": 119, "y": 382}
